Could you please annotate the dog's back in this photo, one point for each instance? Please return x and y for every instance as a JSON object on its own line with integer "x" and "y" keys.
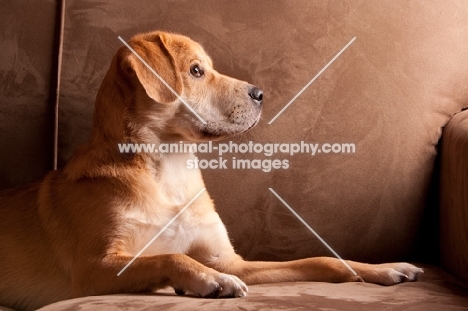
{"x": 27, "y": 264}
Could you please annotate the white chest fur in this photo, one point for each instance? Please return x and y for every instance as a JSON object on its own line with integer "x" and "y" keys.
{"x": 178, "y": 183}
{"x": 176, "y": 186}
{"x": 152, "y": 233}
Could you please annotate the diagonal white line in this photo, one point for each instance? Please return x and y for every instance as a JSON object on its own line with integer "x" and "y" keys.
{"x": 160, "y": 232}
{"x": 313, "y": 231}
{"x": 162, "y": 80}
{"x": 311, "y": 81}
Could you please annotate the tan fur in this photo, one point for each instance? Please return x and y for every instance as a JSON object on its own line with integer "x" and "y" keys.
{"x": 69, "y": 235}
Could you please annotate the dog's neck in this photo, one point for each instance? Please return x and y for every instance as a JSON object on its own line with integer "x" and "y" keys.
{"x": 116, "y": 122}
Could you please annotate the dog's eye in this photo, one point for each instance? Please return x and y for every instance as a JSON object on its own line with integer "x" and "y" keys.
{"x": 196, "y": 71}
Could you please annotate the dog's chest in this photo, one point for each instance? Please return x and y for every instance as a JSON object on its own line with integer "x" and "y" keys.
{"x": 158, "y": 227}
{"x": 160, "y": 233}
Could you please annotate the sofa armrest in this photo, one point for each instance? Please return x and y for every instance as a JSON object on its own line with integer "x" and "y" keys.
{"x": 454, "y": 196}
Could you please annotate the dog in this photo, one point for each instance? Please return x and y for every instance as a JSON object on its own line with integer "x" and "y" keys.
{"x": 70, "y": 234}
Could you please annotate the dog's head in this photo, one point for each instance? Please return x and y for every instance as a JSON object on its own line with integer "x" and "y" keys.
{"x": 182, "y": 97}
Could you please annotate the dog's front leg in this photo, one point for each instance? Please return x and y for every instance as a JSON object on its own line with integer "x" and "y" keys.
{"x": 214, "y": 250}
{"x": 149, "y": 273}
{"x": 320, "y": 269}
{"x": 317, "y": 269}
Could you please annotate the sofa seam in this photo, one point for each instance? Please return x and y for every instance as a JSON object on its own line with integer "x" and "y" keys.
{"x": 58, "y": 85}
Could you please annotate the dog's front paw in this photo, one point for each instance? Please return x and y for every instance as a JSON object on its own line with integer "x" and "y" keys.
{"x": 214, "y": 285}
{"x": 230, "y": 286}
{"x": 393, "y": 273}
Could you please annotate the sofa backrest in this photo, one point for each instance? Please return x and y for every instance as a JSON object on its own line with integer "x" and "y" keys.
{"x": 28, "y": 54}
{"x": 388, "y": 94}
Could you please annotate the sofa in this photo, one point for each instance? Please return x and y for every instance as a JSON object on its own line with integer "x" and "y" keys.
{"x": 389, "y": 78}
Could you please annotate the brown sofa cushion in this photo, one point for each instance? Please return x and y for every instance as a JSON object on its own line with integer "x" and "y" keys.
{"x": 437, "y": 291}
{"x": 454, "y": 196}
{"x": 389, "y": 94}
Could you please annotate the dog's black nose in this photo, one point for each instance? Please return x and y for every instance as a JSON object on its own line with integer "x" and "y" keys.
{"x": 256, "y": 94}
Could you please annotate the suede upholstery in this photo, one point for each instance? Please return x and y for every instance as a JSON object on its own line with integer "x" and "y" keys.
{"x": 437, "y": 291}
{"x": 27, "y": 65}
{"x": 390, "y": 93}
{"x": 454, "y": 196}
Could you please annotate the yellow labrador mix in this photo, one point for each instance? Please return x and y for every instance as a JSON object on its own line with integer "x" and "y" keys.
{"x": 70, "y": 235}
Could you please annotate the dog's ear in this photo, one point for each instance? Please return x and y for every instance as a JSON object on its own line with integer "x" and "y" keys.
{"x": 154, "y": 51}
